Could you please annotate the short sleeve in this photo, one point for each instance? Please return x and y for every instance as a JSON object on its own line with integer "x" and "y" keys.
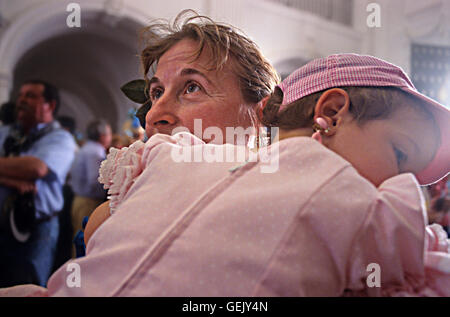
{"x": 57, "y": 151}
{"x": 119, "y": 170}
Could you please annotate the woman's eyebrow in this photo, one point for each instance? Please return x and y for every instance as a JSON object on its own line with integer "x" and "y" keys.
{"x": 153, "y": 80}
{"x": 184, "y": 72}
{"x": 192, "y": 71}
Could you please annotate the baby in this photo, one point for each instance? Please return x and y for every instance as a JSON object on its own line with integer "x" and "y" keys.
{"x": 342, "y": 216}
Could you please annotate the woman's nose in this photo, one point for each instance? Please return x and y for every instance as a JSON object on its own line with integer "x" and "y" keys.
{"x": 161, "y": 117}
{"x": 162, "y": 120}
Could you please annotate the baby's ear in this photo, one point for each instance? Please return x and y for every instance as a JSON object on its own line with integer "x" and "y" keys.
{"x": 332, "y": 105}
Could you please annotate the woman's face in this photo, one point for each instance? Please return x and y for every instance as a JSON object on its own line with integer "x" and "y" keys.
{"x": 380, "y": 149}
{"x": 183, "y": 90}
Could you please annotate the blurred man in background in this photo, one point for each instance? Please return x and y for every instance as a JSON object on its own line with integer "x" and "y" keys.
{"x": 35, "y": 157}
{"x": 89, "y": 193}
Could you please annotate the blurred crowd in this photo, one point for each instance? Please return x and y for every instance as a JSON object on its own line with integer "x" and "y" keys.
{"x": 48, "y": 181}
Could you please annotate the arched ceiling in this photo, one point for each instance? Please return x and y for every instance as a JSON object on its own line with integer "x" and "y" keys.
{"x": 88, "y": 65}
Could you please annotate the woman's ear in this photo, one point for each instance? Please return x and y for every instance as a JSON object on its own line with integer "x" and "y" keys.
{"x": 332, "y": 106}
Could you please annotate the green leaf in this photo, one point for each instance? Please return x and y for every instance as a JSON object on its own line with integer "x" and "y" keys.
{"x": 142, "y": 112}
{"x": 135, "y": 90}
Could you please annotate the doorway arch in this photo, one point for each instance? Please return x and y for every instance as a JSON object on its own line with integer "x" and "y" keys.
{"x": 88, "y": 64}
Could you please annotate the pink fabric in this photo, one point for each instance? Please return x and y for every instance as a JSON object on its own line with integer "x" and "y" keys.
{"x": 119, "y": 171}
{"x": 226, "y": 229}
{"x": 121, "y": 167}
{"x": 342, "y": 70}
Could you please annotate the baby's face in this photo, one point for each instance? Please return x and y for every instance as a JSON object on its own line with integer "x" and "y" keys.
{"x": 380, "y": 149}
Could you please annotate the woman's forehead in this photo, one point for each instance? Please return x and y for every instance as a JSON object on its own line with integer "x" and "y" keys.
{"x": 187, "y": 50}
{"x": 180, "y": 62}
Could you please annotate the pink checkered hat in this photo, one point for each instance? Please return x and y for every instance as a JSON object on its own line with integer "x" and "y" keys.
{"x": 361, "y": 70}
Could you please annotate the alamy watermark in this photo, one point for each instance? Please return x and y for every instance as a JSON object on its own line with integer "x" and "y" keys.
{"x": 374, "y": 278}
{"x": 74, "y": 278}
{"x": 374, "y": 18}
{"x": 251, "y": 146}
{"x": 74, "y": 18}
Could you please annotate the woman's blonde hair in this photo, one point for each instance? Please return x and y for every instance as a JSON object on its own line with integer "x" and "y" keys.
{"x": 257, "y": 77}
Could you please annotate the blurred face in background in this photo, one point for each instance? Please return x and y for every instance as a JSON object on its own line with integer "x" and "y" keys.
{"x": 106, "y": 137}
{"x": 32, "y": 108}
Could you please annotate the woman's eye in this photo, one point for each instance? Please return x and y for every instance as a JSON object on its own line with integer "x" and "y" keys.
{"x": 156, "y": 93}
{"x": 401, "y": 157}
{"x": 191, "y": 88}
